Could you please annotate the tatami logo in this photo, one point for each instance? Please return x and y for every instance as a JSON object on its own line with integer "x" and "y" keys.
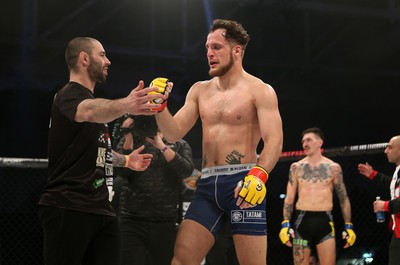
{"x": 248, "y": 216}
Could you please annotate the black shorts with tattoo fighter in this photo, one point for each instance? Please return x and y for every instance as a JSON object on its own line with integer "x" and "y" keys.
{"x": 313, "y": 228}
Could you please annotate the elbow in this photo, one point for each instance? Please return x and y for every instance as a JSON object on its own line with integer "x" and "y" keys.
{"x": 90, "y": 117}
{"x": 84, "y": 116}
{"x": 289, "y": 199}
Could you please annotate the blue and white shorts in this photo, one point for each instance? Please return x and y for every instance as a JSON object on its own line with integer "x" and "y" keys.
{"x": 213, "y": 202}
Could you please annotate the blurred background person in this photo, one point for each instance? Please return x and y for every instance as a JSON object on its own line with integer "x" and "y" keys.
{"x": 149, "y": 201}
{"x": 392, "y": 206}
{"x": 309, "y": 194}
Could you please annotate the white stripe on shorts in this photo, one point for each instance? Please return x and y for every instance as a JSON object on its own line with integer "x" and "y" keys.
{"x": 224, "y": 170}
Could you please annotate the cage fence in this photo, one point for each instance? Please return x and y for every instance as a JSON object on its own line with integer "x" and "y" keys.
{"x": 22, "y": 181}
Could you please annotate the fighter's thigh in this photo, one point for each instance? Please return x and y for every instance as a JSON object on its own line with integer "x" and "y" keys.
{"x": 192, "y": 243}
{"x": 327, "y": 252}
{"x": 251, "y": 249}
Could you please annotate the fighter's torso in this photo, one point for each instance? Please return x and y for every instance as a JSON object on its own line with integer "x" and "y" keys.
{"x": 230, "y": 124}
{"x": 315, "y": 185}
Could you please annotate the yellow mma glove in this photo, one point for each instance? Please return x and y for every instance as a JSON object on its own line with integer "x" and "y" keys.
{"x": 253, "y": 190}
{"x": 162, "y": 84}
{"x": 348, "y": 234}
{"x": 286, "y": 232}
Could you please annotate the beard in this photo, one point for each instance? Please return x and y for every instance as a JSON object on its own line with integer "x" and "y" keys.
{"x": 95, "y": 70}
{"x": 223, "y": 69}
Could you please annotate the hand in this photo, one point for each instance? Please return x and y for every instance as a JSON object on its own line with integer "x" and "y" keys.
{"x": 251, "y": 190}
{"x": 379, "y": 205}
{"x": 164, "y": 87}
{"x": 365, "y": 169}
{"x": 285, "y": 233}
{"x": 349, "y": 235}
{"x": 128, "y": 144}
{"x": 138, "y": 102}
{"x": 127, "y": 123}
{"x": 157, "y": 141}
{"x": 137, "y": 161}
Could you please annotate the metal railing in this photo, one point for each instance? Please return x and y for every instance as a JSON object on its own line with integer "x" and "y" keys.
{"x": 22, "y": 181}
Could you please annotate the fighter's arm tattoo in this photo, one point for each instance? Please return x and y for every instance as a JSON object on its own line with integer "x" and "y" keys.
{"x": 341, "y": 192}
{"x": 235, "y": 157}
{"x": 287, "y": 211}
{"x": 291, "y": 173}
{"x": 291, "y": 191}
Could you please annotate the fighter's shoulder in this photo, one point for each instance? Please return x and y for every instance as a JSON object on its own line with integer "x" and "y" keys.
{"x": 298, "y": 164}
{"x": 258, "y": 82}
{"x": 329, "y": 162}
{"x": 259, "y": 87}
{"x": 200, "y": 86}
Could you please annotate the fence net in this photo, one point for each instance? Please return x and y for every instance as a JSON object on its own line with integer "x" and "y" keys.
{"x": 22, "y": 181}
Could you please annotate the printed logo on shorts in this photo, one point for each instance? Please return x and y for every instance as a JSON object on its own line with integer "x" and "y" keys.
{"x": 236, "y": 216}
{"x": 300, "y": 242}
{"x": 332, "y": 228}
{"x": 248, "y": 216}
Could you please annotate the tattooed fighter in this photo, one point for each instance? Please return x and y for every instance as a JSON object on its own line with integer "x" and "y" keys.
{"x": 237, "y": 110}
{"x": 314, "y": 178}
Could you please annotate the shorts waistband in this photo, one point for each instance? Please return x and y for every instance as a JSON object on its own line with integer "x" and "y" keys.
{"x": 225, "y": 170}
{"x": 313, "y": 213}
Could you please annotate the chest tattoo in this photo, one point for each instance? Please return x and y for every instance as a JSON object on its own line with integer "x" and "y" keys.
{"x": 315, "y": 174}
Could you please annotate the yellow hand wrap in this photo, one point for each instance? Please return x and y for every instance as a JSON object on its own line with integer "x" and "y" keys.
{"x": 284, "y": 235}
{"x": 253, "y": 190}
{"x": 349, "y": 234}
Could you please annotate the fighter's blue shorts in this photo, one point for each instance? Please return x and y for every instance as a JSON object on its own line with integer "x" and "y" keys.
{"x": 213, "y": 202}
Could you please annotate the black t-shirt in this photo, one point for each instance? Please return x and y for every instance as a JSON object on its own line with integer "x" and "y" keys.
{"x": 79, "y": 157}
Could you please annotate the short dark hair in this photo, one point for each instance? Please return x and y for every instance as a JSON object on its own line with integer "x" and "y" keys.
{"x": 314, "y": 130}
{"x": 76, "y": 46}
{"x": 234, "y": 31}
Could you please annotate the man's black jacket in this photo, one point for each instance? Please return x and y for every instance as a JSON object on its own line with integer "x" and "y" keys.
{"x": 154, "y": 194}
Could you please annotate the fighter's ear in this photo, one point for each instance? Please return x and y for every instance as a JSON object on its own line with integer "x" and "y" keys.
{"x": 238, "y": 49}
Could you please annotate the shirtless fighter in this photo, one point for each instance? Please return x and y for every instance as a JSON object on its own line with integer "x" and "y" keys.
{"x": 314, "y": 178}
{"x": 237, "y": 110}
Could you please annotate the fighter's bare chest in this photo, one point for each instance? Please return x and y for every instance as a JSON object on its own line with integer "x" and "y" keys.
{"x": 315, "y": 174}
{"x": 222, "y": 108}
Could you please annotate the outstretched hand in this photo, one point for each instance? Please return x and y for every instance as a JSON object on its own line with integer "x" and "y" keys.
{"x": 365, "y": 169}
{"x": 137, "y": 161}
{"x": 138, "y": 101}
